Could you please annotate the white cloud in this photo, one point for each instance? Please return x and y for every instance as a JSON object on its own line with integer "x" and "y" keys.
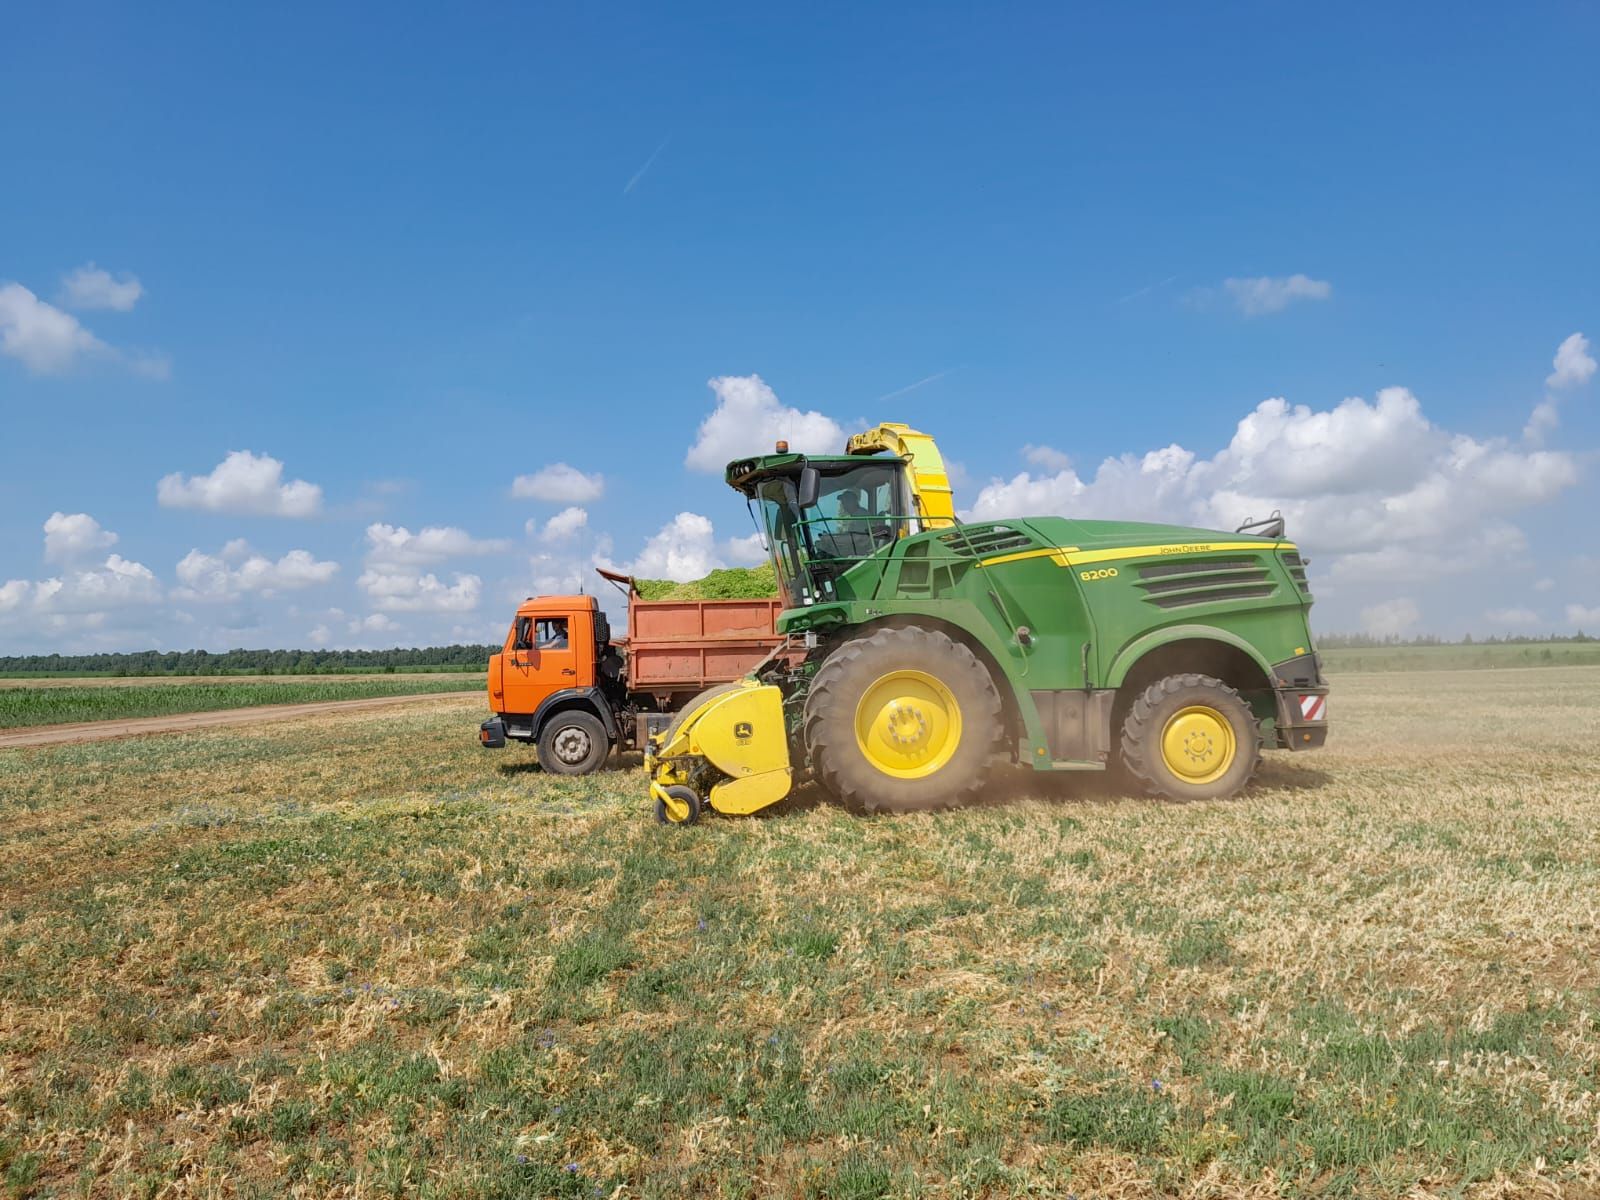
{"x": 394, "y": 590}
{"x": 1377, "y": 486}
{"x": 1574, "y": 365}
{"x": 1047, "y": 457}
{"x": 320, "y": 636}
{"x": 564, "y": 526}
{"x": 209, "y": 577}
{"x": 71, "y": 537}
{"x": 118, "y": 584}
{"x": 749, "y": 419}
{"x": 1578, "y": 614}
{"x": 43, "y": 338}
{"x": 1259, "y": 295}
{"x": 1545, "y": 417}
{"x": 374, "y": 623}
{"x": 1544, "y": 585}
{"x": 91, "y": 287}
{"x": 747, "y": 551}
{"x": 1512, "y": 616}
{"x": 559, "y": 484}
{"x": 685, "y": 548}
{"x": 397, "y": 545}
{"x": 242, "y": 483}
{"x": 1391, "y": 617}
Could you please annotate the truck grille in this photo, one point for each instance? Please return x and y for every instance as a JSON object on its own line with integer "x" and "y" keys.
{"x": 980, "y": 541}
{"x": 1205, "y": 581}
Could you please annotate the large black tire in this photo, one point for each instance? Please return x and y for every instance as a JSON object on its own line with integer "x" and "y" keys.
{"x": 843, "y": 682}
{"x": 573, "y": 743}
{"x": 1155, "y": 711}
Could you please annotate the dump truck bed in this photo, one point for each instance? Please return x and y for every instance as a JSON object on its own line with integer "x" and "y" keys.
{"x": 681, "y": 646}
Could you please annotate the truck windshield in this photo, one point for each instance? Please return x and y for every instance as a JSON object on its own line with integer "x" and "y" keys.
{"x": 860, "y": 509}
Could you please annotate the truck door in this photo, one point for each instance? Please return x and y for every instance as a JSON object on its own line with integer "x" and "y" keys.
{"x": 543, "y": 658}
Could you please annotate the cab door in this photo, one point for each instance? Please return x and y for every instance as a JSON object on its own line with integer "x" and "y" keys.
{"x": 542, "y": 658}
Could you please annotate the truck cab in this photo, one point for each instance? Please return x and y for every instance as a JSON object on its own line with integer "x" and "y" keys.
{"x": 549, "y": 684}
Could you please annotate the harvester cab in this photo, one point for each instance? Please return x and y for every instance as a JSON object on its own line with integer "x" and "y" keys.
{"x": 921, "y": 651}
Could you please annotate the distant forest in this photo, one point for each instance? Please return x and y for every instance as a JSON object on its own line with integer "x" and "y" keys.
{"x": 253, "y": 662}
{"x": 1366, "y": 641}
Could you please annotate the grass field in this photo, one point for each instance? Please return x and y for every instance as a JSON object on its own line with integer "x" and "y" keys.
{"x": 54, "y": 701}
{"x": 1460, "y": 658}
{"x": 358, "y": 956}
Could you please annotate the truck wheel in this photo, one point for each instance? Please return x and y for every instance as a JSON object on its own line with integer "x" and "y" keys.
{"x": 1191, "y": 737}
{"x": 573, "y": 743}
{"x": 903, "y": 720}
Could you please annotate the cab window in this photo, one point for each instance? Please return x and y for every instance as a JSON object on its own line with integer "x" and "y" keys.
{"x": 550, "y": 633}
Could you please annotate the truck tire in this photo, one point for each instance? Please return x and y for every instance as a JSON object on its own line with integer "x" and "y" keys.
{"x": 903, "y": 720}
{"x": 1190, "y": 737}
{"x": 573, "y": 742}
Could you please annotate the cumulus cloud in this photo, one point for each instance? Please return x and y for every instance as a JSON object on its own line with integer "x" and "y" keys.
{"x": 1260, "y": 295}
{"x": 1578, "y": 614}
{"x": 1377, "y": 485}
{"x": 1574, "y": 365}
{"x": 684, "y": 548}
{"x": 1391, "y": 618}
{"x": 559, "y": 484}
{"x": 1047, "y": 457}
{"x": 564, "y": 526}
{"x": 90, "y": 287}
{"x": 393, "y": 589}
{"x": 397, "y": 545}
{"x": 71, "y": 537}
{"x": 237, "y": 571}
{"x": 119, "y": 583}
{"x": 243, "y": 482}
{"x": 39, "y": 335}
{"x": 749, "y": 418}
{"x": 746, "y": 551}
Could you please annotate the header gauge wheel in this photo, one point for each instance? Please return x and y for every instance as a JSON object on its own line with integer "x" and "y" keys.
{"x": 903, "y": 720}
{"x": 1191, "y": 737}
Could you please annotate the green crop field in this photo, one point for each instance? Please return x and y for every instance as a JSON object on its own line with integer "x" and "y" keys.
{"x": 1461, "y": 657}
{"x": 42, "y": 702}
{"x": 356, "y": 955}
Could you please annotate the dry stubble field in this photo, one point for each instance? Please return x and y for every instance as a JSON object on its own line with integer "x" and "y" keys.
{"x": 359, "y": 956}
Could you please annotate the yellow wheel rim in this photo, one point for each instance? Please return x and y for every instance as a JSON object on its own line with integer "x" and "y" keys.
{"x": 677, "y": 810}
{"x": 908, "y": 724}
{"x": 1198, "y": 745}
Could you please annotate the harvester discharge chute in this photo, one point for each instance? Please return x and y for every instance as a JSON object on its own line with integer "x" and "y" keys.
{"x": 921, "y": 651}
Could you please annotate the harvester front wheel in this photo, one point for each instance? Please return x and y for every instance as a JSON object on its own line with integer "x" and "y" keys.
{"x": 1191, "y": 737}
{"x": 573, "y": 743}
{"x": 681, "y": 806}
{"x": 903, "y": 720}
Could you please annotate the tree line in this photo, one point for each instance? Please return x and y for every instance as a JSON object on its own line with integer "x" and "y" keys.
{"x": 256, "y": 662}
{"x": 1367, "y": 641}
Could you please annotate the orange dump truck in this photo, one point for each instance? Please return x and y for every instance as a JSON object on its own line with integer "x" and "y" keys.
{"x": 562, "y": 683}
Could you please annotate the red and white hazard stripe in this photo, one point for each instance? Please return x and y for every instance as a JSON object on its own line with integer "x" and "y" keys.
{"x": 1313, "y": 708}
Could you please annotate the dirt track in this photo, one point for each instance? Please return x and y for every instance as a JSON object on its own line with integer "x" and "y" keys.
{"x": 97, "y": 731}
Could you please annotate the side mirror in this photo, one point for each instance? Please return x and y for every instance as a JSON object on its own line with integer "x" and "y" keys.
{"x": 810, "y": 484}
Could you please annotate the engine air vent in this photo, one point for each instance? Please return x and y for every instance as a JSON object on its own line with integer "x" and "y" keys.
{"x": 1205, "y": 581}
{"x": 980, "y": 541}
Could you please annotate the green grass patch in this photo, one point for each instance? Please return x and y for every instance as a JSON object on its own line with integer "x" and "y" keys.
{"x": 25, "y": 706}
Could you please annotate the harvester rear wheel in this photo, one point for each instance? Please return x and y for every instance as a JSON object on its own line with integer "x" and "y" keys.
{"x": 1191, "y": 737}
{"x": 573, "y": 743}
{"x": 903, "y": 720}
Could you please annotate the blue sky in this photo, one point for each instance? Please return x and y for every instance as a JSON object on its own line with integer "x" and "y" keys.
{"x": 407, "y": 257}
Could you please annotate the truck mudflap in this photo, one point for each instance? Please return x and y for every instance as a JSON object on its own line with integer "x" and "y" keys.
{"x": 1302, "y": 717}
{"x": 492, "y": 734}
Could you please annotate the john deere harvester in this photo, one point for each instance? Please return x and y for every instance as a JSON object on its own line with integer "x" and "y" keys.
{"x": 922, "y": 651}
